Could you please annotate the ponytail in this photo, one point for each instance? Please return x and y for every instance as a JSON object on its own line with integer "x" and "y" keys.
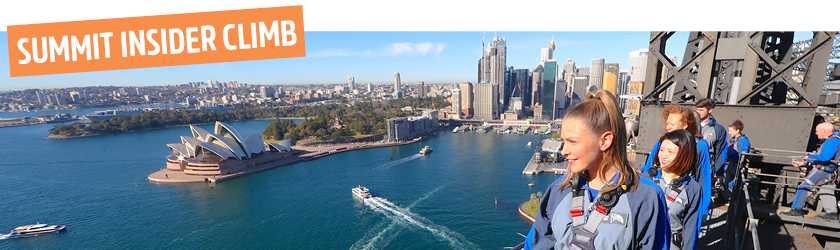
{"x": 599, "y": 114}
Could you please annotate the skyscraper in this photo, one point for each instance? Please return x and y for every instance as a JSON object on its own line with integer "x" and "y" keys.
{"x": 486, "y": 101}
{"x": 467, "y": 99}
{"x": 456, "y": 103}
{"x": 547, "y": 52}
{"x": 522, "y": 86}
{"x": 559, "y": 98}
{"x": 536, "y": 85}
{"x": 493, "y": 66}
{"x": 611, "y": 72}
{"x": 638, "y": 65}
{"x": 568, "y": 70}
{"x": 633, "y": 87}
{"x": 578, "y": 91}
{"x": 421, "y": 89}
{"x": 596, "y": 76}
{"x": 549, "y": 80}
{"x": 397, "y": 84}
{"x": 351, "y": 82}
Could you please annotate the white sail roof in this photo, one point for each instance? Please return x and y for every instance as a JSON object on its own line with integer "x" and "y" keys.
{"x": 228, "y": 144}
{"x": 215, "y": 148}
{"x": 199, "y": 133}
{"x": 179, "y": 148}
{"x": 255, "y": 143}
{"x": 224, "y": 129}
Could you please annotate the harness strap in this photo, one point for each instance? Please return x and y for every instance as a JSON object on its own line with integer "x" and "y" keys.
{"x": 585, "y": 228}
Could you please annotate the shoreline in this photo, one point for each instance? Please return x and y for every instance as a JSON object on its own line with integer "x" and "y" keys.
{"x": 297, "y": 154}
{"x": 151, "y": 129}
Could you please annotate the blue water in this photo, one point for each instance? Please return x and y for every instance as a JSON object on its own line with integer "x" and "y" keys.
{"x": 97, "y": 187}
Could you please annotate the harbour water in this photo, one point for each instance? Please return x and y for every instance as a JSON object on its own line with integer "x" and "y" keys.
{"x": 97, "y": 187}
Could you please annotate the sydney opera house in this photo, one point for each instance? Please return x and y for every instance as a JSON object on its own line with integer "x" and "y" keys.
{"x": 224, "y": 151}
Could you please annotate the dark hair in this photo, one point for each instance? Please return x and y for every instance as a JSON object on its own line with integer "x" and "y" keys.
{"x": 705, "y": 103}
{"x": 599, "y": 114}
{"x": 737, "y": 124}
{"x": 689, "y": 117}
{"x": 684, "y": 161}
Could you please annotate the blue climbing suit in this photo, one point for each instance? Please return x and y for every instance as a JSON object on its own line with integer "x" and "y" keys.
{"x": 702, "y": 172}
{"x": 638, "y": 220}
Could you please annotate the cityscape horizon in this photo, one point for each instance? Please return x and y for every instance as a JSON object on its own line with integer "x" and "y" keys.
{"x": 372, "y": 57}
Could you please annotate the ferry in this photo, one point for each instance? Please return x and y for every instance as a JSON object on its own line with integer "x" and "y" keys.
{"x": 33, "y": 230}
{"x": 361, "y": 192}
{"x": 426, "y": 150}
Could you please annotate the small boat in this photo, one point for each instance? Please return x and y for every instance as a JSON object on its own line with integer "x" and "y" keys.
{"x": 426, "y": 150}
{"x": 531, "y": 184}
{"x": 33, "y": 230}
{"x": 529, "y": 143}
{"x": 455, "y": 130}
{"x": 361, "y": 192}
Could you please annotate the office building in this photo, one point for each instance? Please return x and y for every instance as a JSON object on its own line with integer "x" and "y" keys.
{"x": 559, "y": 99}
{"x": 536, "y": 85}
{"x": 421, "y": 89}
{"x": 638, "y": 65}
{"x": 549, "y": 81}
{"x": 492, "y": 67}
{"x": 611, "y": 72}
{"x": 596, "y": 76}
{"x": 351, "y": 82}
{"x": 397, "y": 85}
{"x": 486, "y": 101}
{"x": 568, "y": 70}
{"x": 467, "y": 99}
{"x": 522, "y": 86}
{"x": 579, "y": 90}
{"x": 633, "y": 107}
{"x": 456, "y": 103}
{"x": 548, "y": 52}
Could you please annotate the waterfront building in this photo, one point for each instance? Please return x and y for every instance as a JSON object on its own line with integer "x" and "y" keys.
{"x": 467, "y": 99}
{"x": 224, "y": 151}
{"x": 75, "y": 96}
{"x": 486, "y": 101}
{"x": 549, "y": 81}
{"x": 596, "y": 76}
{"x": 456, "y": 103}
{"x": 351, "y": 82}
{"x": 638, "y": 65}
{"x": 611, "y": 72}
{"x": 404, "y": 128}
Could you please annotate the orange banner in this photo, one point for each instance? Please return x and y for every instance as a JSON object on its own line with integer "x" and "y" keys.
{"x": 155, "y": 41}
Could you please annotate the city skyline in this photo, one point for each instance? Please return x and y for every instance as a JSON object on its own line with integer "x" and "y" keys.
{"x": 431, "y": 57}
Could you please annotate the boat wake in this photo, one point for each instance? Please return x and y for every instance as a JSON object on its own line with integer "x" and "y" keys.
{"x": 403, "y": 218}
{"x": 400, "y": 161}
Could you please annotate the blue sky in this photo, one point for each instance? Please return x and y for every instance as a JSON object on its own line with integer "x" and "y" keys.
{"x": 433, "y": 57}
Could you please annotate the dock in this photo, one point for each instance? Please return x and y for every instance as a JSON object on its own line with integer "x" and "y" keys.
{"x": 533, "y": 167}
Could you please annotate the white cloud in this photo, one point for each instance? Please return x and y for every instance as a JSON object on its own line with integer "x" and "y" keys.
{"x": 331, "y": 52}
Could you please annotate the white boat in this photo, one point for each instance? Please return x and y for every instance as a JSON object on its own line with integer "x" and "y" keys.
{"x": 33, "y": 230}
{"x": 529, "y": 143}
{"x": 361, "y": 192}
{"x": 455, "y": 130}
{"x": 425, "y": 150}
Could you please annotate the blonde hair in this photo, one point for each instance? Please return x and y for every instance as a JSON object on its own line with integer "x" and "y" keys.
{"x": 599, "y": 114}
